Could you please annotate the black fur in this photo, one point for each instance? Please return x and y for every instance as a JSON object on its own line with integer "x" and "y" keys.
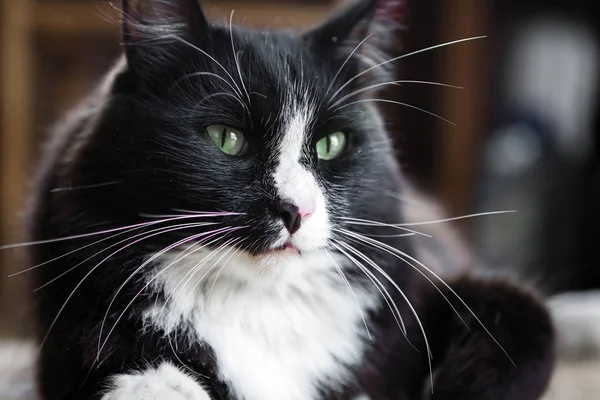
{"x": 138, "y": 149}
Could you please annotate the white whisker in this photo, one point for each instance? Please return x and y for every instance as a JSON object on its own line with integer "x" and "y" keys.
{"x": 344, "y": 64}
{"x": 401, "y": 292}
{"x": 91, "y": 271}
{"x": 397, "y": 103}
{"x": 190, "y": 274}
{"x": 144, "y": 264}
{"x": 380, "y": 288}
{"x": 339, "y": 269}
{"x": 93, "y": 186}
{"x": 400, "y": 254}
{"x": 164, "y": 229}
{"x": 73, "y": 251}
{"x": 203, "y": 73}
{"x": 175, "y": 37}
{"x": 401, "y": 57}
{"x": 483, "y": 214}
{"x": 220, "y": 270}
{"x": 367, "y": 88}
{"x": 237, "y": 64}
{"x": 358, "y": 238}
{"x": 84, "y": 235}
{"x": 367, "y": 222}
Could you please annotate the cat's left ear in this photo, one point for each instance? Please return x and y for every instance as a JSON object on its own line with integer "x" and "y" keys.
{"x": 376, "y": 22}
{"x": 149, "y": 24}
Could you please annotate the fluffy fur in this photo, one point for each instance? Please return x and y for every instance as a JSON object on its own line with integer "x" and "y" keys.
{"x": 179, "y": 273}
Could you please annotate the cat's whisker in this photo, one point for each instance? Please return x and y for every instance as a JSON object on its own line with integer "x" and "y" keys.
{"x": 413, "y": 310}
{"x": 198, "y": 214}
{"x": 190, "y": 274}
{"x": 347, "y": 282}
{"x": 381, "y": 288}
{"x": 394, "y": 102}
{"x": 301, "y": 71}
{"x": 84, "y": 235}
{"x": 163, "y": 229}
{"x": 91, "y": 271}
{"x": 344, "y": 64}
{"x": 184, "y": 254}
{"x": 216, "y": 213}
{"x": 357, "y": 238}
{"x": 83, "y": 187}
{"x": 403, "y": 256}
{"x": 226, "y": 94}
{"x": 390, "y": 236}
{"x": 195, "y": 270}
{"x": 147, "y": 262}
{"x": 368, "y": 222}
{"x": 175, "y": 37}
{"x": 221, "y": 270}
{"x": 237, "y": 64}
{"x": 349, "y": 81}
{"x": 217, "y": 76}
{"x": 231, "y": 247}
{"x": 192, "y": 371}
{"x": 71, "y": 252}
{"x": 370, "y": 87}
{"x": 187, "y": 240}
{"x": 437, "y": 221}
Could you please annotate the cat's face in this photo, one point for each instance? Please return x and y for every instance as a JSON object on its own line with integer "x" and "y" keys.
{"x": 256, "y": 124}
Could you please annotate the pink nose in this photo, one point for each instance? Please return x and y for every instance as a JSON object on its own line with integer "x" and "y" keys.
{"x": 305, "y": 211}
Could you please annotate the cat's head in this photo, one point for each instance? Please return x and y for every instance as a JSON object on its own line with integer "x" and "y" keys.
{"x": 273, "y": 126}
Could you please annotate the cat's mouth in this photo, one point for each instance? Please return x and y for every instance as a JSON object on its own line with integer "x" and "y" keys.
{"x": 288, "y": 247}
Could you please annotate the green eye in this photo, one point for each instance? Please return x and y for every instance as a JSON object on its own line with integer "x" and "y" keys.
{"x": 331, "y": 146}
{"x": 228, "y": 140}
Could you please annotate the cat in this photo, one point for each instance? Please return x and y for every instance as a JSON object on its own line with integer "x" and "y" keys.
{"x": 214, "y": 222}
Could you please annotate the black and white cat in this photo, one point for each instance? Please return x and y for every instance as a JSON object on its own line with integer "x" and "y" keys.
{"x": 226, "y": 231}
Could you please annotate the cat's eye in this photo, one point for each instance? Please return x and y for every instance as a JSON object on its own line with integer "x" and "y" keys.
{"x": 331, "y": 146}
{"x": 227, "y": 139}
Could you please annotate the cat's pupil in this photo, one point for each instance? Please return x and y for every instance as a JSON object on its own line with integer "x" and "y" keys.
{"x": 223, "y": 137}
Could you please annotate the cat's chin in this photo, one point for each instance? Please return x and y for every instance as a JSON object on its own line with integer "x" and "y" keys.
{"x": 283, "y": 261}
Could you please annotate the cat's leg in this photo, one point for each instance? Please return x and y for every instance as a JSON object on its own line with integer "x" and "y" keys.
{"x": 470, "y": 364}
{"x": 165, "y": 382}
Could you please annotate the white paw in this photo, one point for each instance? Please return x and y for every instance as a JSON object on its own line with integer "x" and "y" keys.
{"x": 163, "y": 383}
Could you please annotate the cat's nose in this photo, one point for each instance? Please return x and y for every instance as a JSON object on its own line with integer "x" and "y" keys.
{"x": 291, "y": 216}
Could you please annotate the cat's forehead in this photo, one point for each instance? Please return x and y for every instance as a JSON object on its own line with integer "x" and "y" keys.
{"x": 274, "y": 79}
{"x": 275, "y": 61}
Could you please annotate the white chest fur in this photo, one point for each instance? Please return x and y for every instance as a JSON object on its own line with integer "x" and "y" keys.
{"x": 274, "y": 338}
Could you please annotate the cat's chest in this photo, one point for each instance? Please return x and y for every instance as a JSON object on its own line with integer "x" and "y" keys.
{"x": 283, "y": 351}
{"x": 280, "y": 344}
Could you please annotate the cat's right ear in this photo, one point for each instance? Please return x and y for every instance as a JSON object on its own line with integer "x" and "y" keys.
{"x": 150, "y": 24}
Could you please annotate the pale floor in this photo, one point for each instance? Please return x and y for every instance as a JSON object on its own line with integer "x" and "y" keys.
{"x": 572, "y": 380}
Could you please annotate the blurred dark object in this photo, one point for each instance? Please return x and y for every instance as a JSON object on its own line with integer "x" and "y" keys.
{"x": 540, "y": 157}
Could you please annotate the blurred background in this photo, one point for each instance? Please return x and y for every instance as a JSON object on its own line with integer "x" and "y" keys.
{"x": 525, "y": 137}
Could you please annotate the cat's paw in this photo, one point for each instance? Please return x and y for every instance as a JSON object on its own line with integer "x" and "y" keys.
{"x": 163, "y": 383}
{"x": 511, "y": 358}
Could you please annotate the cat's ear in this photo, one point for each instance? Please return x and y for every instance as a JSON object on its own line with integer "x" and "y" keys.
{"x": 148, "y": 23}
{"x": 353, "y": 20}
{"x": 370, "y": 30}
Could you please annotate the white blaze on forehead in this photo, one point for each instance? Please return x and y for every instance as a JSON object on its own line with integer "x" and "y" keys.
{"x": 296, "y": 183}
{"x": 292, "y": 180}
